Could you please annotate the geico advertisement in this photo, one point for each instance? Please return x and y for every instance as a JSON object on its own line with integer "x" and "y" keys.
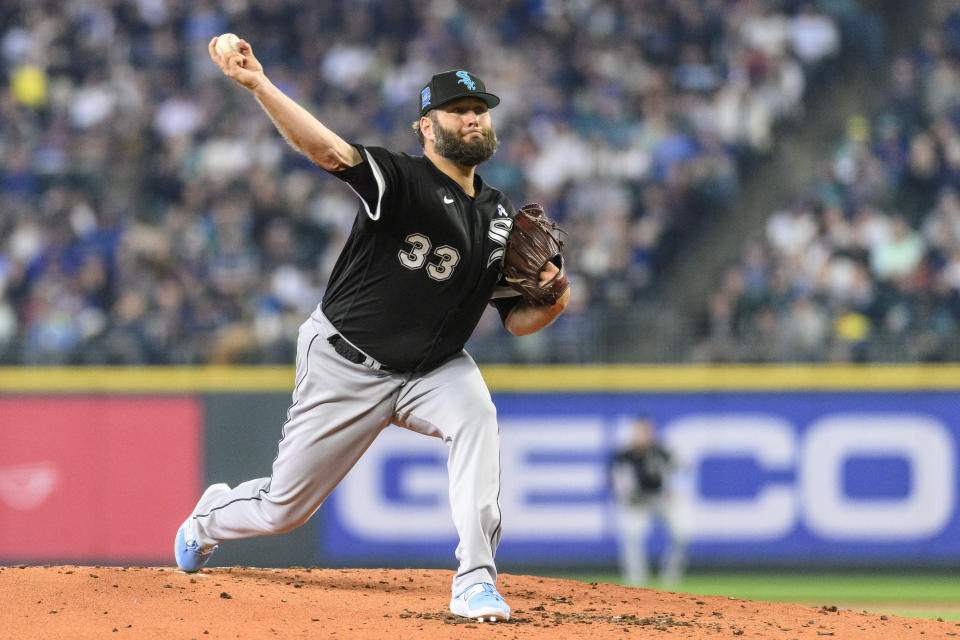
{"x": 757, "y": 477}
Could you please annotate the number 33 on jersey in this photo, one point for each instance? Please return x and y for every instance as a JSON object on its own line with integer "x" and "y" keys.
{"x": 448, "y": 257}
{"x": 417, "y": 256}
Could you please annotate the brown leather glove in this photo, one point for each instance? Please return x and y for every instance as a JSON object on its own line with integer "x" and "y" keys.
{"x": 534, "y": 241}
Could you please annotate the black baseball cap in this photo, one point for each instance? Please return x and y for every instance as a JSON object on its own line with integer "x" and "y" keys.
{"x": 453, "y": 84}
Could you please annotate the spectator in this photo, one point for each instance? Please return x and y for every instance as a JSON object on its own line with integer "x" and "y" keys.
{"x": 898, "y": 255}
{"x": 814, "y": 36}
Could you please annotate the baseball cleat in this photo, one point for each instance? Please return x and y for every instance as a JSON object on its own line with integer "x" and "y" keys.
{"x": 480, "y": 601}
{"x": 190, "y": 556}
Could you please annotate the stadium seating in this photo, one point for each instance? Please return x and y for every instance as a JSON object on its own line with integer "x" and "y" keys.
{"x": 864, "y": 265}
{"x": 149, "y": 213}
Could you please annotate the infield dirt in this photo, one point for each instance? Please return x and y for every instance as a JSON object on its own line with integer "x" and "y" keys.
{"x": 75, "y": 602}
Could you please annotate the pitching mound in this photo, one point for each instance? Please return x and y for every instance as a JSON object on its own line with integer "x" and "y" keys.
{"x": 239, "y": 602}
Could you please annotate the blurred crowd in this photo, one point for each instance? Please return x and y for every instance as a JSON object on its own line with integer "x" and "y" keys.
{"x": 149, "y": 213}
{"x": 864, "y": 264}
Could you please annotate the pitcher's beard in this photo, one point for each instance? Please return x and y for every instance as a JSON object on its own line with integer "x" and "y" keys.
{"x": 452, "y": 146}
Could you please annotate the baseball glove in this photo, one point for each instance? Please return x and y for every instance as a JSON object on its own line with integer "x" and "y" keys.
{"x": 534, "y": 241}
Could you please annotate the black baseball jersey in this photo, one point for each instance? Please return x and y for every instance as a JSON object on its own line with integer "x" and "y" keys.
{"x": 421, "y": 262}
{"x": 649, "y": 465}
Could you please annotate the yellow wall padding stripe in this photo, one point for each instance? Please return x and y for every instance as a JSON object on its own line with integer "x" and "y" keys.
{"x": 144, "y": 379}
{"x": 724, "y": 378}
{"x": 502, "y": 378}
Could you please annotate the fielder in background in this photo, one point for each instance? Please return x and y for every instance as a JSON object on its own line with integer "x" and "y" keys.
{"x": 648, "y": 486}
{"x": 385, "y": 345}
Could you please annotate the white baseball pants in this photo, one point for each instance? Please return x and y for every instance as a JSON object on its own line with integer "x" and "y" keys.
{"x": 338, "y": 410}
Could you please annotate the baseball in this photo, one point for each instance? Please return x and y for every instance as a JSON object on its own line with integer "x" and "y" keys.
{"x": 226, "y": 43}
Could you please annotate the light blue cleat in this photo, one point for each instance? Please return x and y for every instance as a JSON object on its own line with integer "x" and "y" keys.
{"x": 190, "y": 557}
{"x": 480, "y": 601}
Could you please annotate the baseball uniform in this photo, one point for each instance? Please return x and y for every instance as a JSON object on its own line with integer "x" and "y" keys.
{"x": 385, "y": 346}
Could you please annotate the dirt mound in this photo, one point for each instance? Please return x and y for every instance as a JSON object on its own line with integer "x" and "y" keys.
{"x": 240, "y": 602}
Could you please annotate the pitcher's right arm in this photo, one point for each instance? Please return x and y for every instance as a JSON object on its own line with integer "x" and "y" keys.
{"x": 303, "y": 131}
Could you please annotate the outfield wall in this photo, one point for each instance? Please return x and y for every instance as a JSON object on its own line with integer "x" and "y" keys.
{"x": 838, "y": 466}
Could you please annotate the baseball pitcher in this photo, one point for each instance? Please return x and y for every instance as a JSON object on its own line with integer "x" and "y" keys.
{"x": 425, "y": 256}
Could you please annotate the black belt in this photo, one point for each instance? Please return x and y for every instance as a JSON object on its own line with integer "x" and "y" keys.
{"x": 354, "y": 355}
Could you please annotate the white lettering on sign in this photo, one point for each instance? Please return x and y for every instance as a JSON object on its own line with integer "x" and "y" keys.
{"x": 817, "y": 497}
{"x": 368, "y": 512}
{"x": 553, "y": 477}
{"x": 551, "y": 468}
{"x": 768, "y": 440}
{"x": 27, "y": 486}
{"x": 922, "y": 441}
{"x": 552, "y": 484}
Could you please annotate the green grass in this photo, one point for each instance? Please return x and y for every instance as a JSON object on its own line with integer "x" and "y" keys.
{"x": 922, "y": 595}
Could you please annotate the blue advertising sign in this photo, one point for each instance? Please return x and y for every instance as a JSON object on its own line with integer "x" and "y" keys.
{"x": 786, "y": 477}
